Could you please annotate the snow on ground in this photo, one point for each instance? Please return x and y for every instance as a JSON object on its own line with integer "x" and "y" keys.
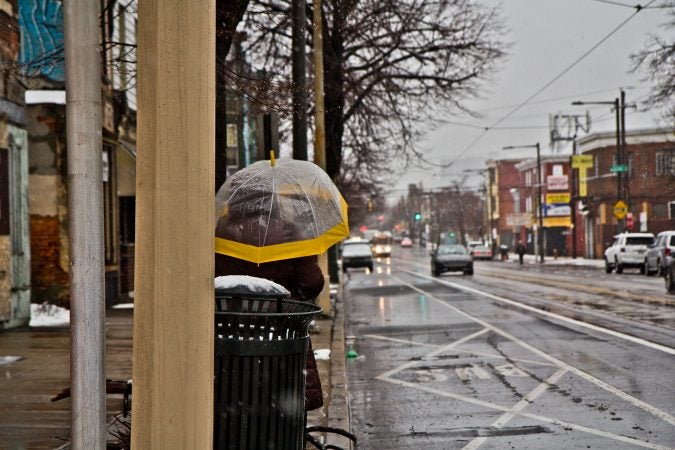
{"x": 322, "y": 354}
{"x": 46, "y": 315}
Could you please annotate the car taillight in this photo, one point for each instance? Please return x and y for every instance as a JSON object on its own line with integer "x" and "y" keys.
{"x": 667, "y": 251}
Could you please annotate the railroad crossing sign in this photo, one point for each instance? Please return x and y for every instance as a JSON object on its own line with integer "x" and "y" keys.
{"x": 620, "y": 209}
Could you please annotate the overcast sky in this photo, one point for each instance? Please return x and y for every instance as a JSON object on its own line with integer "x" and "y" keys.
{"x": 548, "y": 36}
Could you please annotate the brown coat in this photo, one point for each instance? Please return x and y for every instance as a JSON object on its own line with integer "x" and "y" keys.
{"x": 304, "y": 279}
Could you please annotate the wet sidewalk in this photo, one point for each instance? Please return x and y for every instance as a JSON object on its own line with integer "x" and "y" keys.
{"x": 30, "y": 420}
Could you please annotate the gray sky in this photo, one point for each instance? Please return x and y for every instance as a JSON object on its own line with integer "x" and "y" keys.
{"x": 547, "y": 36}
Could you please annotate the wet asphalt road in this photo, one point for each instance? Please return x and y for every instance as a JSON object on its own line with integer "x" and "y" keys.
{"x": 517, "y": 357}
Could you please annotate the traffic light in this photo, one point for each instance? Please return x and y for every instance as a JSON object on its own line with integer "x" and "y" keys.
{"x": 629, "y": 222}
{"x": 418, "y": 216}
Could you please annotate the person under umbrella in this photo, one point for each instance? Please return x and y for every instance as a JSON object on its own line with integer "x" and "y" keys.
{"x": 272, "y": 222}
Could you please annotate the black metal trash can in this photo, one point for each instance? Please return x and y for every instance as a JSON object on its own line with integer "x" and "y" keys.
{"x": 261, "y": 340}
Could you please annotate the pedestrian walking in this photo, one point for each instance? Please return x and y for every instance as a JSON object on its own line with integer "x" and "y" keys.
{"x": 520, "y": 249}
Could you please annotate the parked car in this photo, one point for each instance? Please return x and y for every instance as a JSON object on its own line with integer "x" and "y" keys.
{"x": 670, "y": 277}
{"x": 451, "y": 258}
{"x": 627, "y": 250}
{"x": 479, "y": 250}
{"x": 357, "y": 253}
{"x": 406, "y": 242}
{"x": 660, "y": 253}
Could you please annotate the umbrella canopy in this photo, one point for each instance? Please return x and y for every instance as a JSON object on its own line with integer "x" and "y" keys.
{"x": 279, "y": 209}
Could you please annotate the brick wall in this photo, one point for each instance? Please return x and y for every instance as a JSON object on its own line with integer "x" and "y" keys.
{"x": 49, "y": 280}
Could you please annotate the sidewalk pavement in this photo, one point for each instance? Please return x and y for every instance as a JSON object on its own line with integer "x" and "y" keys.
{"x": 557, "y": 261}
{"x": 30, "y": 420}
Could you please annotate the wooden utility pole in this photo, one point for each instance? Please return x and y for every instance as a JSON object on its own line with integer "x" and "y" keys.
{"x": 85, "y": 225}
{"x": 320, "y": 136}
{"x": 174, "y": 304}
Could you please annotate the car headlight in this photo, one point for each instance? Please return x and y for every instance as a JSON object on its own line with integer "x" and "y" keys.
{"x": 387, "y": 249}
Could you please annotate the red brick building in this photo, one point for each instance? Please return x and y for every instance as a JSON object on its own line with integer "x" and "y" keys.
{"x": 555, "y": 198}
{"x": 502, "y": 177}
{"x": 648, "y": 189}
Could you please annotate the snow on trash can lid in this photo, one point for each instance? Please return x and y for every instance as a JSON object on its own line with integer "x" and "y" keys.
{"x": 247, "y": 285}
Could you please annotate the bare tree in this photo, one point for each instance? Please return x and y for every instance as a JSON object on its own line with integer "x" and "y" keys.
{"x": 392, "y": 69}
{"x": 658, "y": 58}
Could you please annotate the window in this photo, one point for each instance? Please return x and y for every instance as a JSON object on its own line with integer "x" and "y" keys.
{"x": 671, "y": 210}
{"x": 660, "y": 210}
{"x": 528, "y": 178}
{"x": 665, "y": 162}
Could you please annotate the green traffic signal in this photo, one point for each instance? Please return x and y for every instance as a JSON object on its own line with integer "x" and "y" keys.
{"x": 418, "y": 216}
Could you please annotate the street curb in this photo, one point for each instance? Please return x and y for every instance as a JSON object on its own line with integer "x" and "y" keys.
{"x": 338, "y": 408}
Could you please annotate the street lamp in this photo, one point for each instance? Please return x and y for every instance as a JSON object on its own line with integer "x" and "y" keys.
{"x": 617, "y": 107}
{"x": 540, "y": 232}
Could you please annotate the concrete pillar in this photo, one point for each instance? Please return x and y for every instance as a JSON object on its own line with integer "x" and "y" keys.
{"x": 173, "y": 316}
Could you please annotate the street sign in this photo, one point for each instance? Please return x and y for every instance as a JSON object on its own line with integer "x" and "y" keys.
{"x": 579, "y": 161}
{"x": 555, "y": 198}
{"x": 620, "y": 209}
{"x": 618, "y": 168}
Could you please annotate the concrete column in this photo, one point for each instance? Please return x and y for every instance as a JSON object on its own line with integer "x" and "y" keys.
{"x": 173, "y": 316}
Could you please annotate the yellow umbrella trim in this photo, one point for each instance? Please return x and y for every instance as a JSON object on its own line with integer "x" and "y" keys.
{"x": 286, "y": 250}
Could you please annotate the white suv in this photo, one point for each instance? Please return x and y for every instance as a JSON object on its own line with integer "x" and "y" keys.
{"x": 660, "y": 253}
{"x": 627, "y": 250}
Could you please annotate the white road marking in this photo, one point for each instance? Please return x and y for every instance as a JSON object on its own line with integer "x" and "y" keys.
{"x": 458, "y": 350}
{"x": 580, "y": 373}
{"x": 522, "y": 404}
{"x": 509, "y": 370}
{"x": 544, "y": 419}
{"x": 435, "y": 352}
{"x": 559, "y": 317}
{"x": 402, "y": 341}
{"x": 465, "y": 373}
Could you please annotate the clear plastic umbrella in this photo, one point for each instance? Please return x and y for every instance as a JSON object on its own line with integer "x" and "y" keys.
{"x": 279, "y": 209}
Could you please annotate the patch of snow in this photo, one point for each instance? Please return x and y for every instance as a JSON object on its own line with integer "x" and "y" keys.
{"x": 4, "y": 360}
{"x": 47, "y": 315}
{"x": 249, "y": 284}
{"x": 123, "y": 306}
{"x": 322, "y": 354}
{"x": 45, "y": 96}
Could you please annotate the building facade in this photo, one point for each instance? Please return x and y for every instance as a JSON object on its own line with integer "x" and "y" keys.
{"x": 14, "y": 230}
{"x": 504, "y": 215}
{"x": 648, "y": 187}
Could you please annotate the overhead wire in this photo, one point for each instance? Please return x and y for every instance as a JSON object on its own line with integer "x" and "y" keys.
{"x": 545, "y": 86}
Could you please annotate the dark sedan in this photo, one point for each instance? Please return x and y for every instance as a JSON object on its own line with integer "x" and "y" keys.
{"x": 451, "y": 258}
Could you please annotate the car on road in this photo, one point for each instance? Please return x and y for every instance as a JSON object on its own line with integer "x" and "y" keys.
{"x": 406, "y": 242}
{"x": 357, "y": 254}
{"x": 451, "y": 258}
{"x": 382, "y": 245}
{"x": 627, "y": 250}
{"x": 479, "y": 250}
{"x": 660, "y": 253}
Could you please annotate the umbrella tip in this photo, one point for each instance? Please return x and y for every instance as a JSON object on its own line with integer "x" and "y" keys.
{"x": 272, "y": 160}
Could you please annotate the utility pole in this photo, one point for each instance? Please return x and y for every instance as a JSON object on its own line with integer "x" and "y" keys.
{"x": 540, "y": 235}
{"x": 85, "y": 225}
{"x": 623, "y": 176}
{"x": 299, "y": 80}
{"x": 320, "y": 138}
{"x": 557, "y": 137}
{"x": 173, "y": 314}
{"x": 540, "y": 209}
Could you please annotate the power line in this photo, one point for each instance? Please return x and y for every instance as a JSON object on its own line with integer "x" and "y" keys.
{"x": 546, "y": 86}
